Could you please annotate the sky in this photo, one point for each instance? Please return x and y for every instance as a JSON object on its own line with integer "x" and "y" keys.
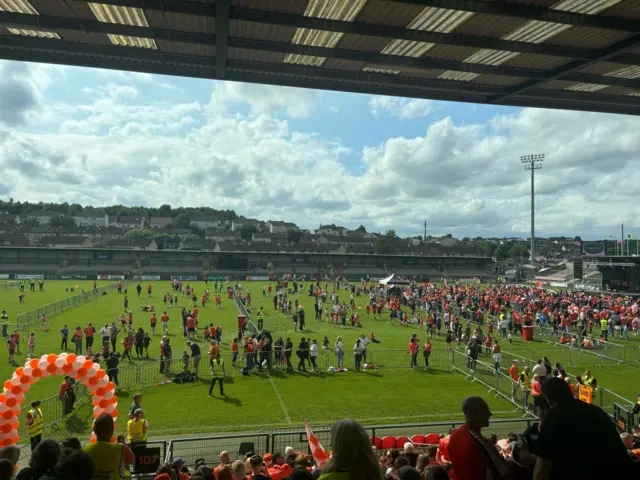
{"x": 101, "y": 137}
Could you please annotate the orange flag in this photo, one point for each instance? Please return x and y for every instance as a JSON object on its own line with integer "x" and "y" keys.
{"x": 319, "y": 454}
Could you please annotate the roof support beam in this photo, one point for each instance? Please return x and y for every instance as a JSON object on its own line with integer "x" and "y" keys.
{"x": 571, "y": 68}
{"x": 222, "y": 37}
{"x": 532, "y": 12}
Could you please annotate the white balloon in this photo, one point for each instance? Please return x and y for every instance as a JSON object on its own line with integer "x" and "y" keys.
{"x": 103, "y": 382}
{"x": 63, "y": 356}
{"x": 61, "y": 362}
{"x": 108, "y": 395}
{"x": 25, "y": 387}
{"x": 91, "y": 372}
{"x": 16, "y": 409}
{"x": 28, "y": 371}
{"x": 98, "y": 410}
{"x": 81, "y": 359}
{"x": 15, "y": 381}
{"x": 77, "y": 364}
{"x": 110, "y": 409}
{"x": 3, "y": 407}
{"x": 44, "y": 357}
{"x": 42, "y": 364}
{"x": 45, "y": 373}
{"x": 19, "y": 397}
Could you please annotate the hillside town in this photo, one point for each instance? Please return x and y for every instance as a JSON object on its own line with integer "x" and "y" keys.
{"x": 136, "y": 228}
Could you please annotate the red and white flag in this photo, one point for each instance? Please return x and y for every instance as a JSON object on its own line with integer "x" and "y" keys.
{"x": 319, "y": 454}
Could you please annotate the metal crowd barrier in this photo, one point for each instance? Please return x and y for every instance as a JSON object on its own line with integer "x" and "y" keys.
{"x": 276, "y": 441}
{"x": 32, "y": 318}
{"x": 7, "y": 286}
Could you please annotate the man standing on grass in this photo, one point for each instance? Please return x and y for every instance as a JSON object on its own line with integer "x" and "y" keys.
{"x": 217, "y": 375}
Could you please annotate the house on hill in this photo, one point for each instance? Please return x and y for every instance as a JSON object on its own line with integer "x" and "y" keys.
{"x": 92, "y": 219}
{"x": 41, "y": 217}
{"x": 160, "y": 222}
{"x": 76, "y": 241}
{"x": 133, "y": 243}
{"x": 13, "y": 240}
{"x": 205, "y": 221}
{"x": 240, "y": 223}
{"x": 281, "y": 227}
{"x": 132, "y": 221}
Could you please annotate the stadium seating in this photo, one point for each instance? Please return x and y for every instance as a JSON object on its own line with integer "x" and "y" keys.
{"x": 400, "y": 441}
{"x": 432, "y": 439}
{"x": 388, "y": 442}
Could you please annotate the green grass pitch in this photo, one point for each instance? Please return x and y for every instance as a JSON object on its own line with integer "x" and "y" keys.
{"x": 384, "y": 396}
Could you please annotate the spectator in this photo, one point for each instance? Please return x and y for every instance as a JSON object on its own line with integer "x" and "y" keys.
{"x": 526, "y": 452}
{"x": 75, "y": 466}
{"x": 596, "y": 451}
{"x": 165, "y": 472}
{"x": 472, "y": 455}
{"x": 72, "y": 443}
{"x": 279, "y": 469}
{"x": 137, "y": 398}
{"x": 408, "y": 473}
{"x": 224, "y": 473}
{"x": 11, "y": 453}
{"x": 6, "y": 469}
{"x": 44, "y": 457}
{"x": 258, "y": 468}
{"x": 399, "y": 462}
{"x": 290, "y": 455}
{"x": 300, "y": 473}
{"x": 410, "y": 454}
{"x": 436, "y": 472}
{"x": 352, "y": 458}
{"x": 238, "y": 470}
{"x": 109, "y": 459}
{"x": 137, "y": 429}
{"x": 224, "y": 462}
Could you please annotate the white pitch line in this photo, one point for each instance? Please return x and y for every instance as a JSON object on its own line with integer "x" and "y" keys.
{"x": 284, "y": 408}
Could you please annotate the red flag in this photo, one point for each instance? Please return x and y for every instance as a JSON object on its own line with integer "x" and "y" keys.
{"x": 319, "y": 454}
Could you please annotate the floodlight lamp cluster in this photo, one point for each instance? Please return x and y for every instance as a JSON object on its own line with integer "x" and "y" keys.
{"x": 532, "y": 158}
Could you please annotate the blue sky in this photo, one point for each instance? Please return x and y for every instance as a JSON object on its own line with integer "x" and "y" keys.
{"x": 100, "y": 137}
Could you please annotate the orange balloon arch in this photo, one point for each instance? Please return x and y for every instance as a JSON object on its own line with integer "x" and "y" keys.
{"x": 84, "y": 370}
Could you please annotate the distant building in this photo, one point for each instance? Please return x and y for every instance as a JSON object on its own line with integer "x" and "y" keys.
{"x": 132, "y": 221}
{"x": 240, "y": 223}
{"x": 41, "y": 217}
{"x": 220, "y": 235}
{"x": 269, "y": 237}
{"x": 6, "y": 218}
{"x": 133, "y": 243}
{"x": 97, "y": 219}
{"x": 331, "y": 230}
{"x": 281, "y": 227}
{"x": 13, "y": 240}
{"x": 66, "y": 242}
{"x": 205, "y": 221}
{"x": 160, "y": 222}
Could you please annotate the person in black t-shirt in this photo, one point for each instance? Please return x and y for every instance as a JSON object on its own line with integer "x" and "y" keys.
{"x": 577, "y": 440}
{"x": 112, "y": 367}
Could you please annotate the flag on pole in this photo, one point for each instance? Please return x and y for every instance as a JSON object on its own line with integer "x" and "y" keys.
{"x": 319, "y": 454}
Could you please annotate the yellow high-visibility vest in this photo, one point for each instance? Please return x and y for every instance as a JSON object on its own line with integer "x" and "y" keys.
{"x": 526, "y": 383}
{"x": 108, "y": 460}
{"x": 136, "y": 431}
{"x": 37, "y": 425}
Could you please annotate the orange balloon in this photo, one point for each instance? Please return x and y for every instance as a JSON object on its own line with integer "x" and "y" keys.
{"x": 113, "y": 439}
{"x": 2, "y": 398}
{"x": 103, "y": 403}
{"x": 67, "y": 368}
{"x": 13, "y": 440}
{"x": 7, "y": 415}
{"x": 8, "y": 385}
{"x": 88, "y": 364}
{"x": 115, "y": 412}
{"x": 93, "y": 381}
{"x": 10, "y": 402}
{"x": 81, "y": 372}
{"x": 113, "y": 399}
{"x": 24, "y": 379}
{"x": 52, "y": 358}
{"x": 100, "y": 392}
{"x": 19, "y": 371}
{"x": 51, "y": 368}
{"x": 111, "y": 386}
{"x": 16, "y": 390}
{"x": 5, "y": 443}
{"x": 15, "y": 425}
{"x": 71, "y": 358}
{"x": 96, "y": 415}
{"x": 37, "y": 373}
{"x": 93, "y": 440}
{"x": 6, "y": 428}
{"x": 34, "y": 363}
{"x": 101, "y": 373}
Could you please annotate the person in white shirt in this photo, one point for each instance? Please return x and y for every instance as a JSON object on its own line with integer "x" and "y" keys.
{"x": 540, "y": 370}
{"x": 314, "y": 354}
{"x": 340, "y": 352}
{"x": 363, "y": 343}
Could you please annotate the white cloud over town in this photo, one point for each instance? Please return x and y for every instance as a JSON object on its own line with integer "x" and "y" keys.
{"x": 239, "y": 150}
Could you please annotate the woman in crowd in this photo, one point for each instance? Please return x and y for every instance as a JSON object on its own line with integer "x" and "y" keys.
{"x": 45, "y": 456}
{"x": 357, "y": 350}
{"x": 353, "y": 457}
{"x": 340, "y": 352}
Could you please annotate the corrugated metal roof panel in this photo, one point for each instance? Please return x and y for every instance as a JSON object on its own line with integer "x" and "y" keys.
{"x": 388, "y": 13}
{"x": 346, "y": 65}
{"x": 362, "y": 43}
{"x": 542, "y": 62}
{"x": 255, "y": 56}
{"x": 285, "y": 6}
{"x": 182, "y": 22}
{"x": 54, "y": 7}
{"x": 499, "y": 80}
{"x": 450, "y": 52}
{"x": 183, "y": 48}
{"x": 493, "y": 26}
{"x": 601, "y": 68}
{"x": 587, "y": 37}
{"x": 435, "y": 73}
{"x": 261, "y": 31}
{"x": 626, "y": 9}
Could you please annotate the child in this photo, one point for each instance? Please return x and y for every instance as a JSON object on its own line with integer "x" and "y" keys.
{"x": 126, "y": 343}
{"x": 510, "y": 338}
{"x": 16, "y": 340}
{"x": 12, "y": 349}
{"x": 43, "y": 323}
{"x": 31, "y": 345}
{"x": 146, "y": 341}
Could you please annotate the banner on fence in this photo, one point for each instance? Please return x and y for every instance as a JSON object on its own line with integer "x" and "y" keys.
{"x": 214, "y": 279}
{"x": 74, "y": 277}
{"x": 28, "y": 277}
{"x": 147, "y": 459}
{"x": 184, "y": 278}
{"x": 257, "y": 279}
{"x": 4, "y": 276}
{"x": 110, "y": 277}
{"x": 585, "y": 394}
{"x": 147, "y": 278}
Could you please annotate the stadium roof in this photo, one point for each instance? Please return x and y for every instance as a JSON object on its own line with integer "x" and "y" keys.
{"x": 570, "y": 54}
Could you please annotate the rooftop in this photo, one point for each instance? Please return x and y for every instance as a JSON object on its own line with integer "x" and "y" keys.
{"x": 569, "y": 54}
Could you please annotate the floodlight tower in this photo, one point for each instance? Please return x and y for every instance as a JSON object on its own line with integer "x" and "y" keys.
{"x": 533, "y": 163}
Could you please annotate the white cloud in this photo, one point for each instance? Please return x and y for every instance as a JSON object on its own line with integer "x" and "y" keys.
{"x": 463, "y": 179}
{"x": 404, "y": 108}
